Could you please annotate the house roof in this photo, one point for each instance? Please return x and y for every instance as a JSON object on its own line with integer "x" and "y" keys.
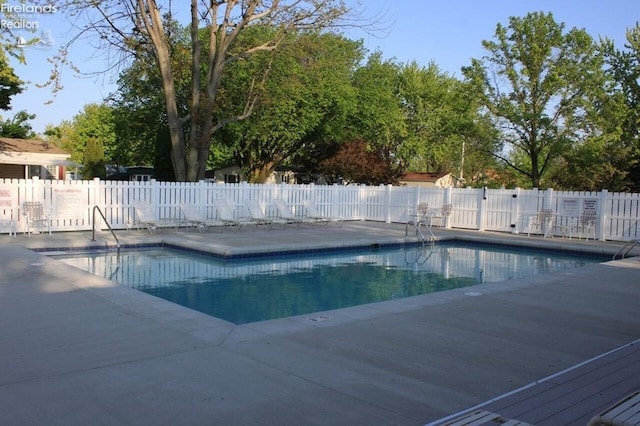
{"x": 34, "y": 146}
{"x": 33, "y": 152}
{"x": 422, "y": 177}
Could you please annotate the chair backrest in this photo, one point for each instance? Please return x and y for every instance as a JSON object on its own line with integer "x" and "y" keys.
{"x": 33, "y": 209}
{"x": 144, "y": 213}
{"x": 545, "y": 215}
{"x": 283, "y": 209}
{"x": 254, "y": 209}
{"x": 192, "y": 212}
{"x": 223, "y": 209}
{"x": 588, "y": 218}
{"x": 422, "y": 209}
{"x": 311, "y": 208}
{"x": 447, "y": 209}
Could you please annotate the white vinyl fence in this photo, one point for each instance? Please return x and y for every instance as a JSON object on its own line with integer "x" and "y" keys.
{"x": 70, "y": 204}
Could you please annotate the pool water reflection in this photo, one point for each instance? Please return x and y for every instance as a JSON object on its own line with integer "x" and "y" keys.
{"x": 257, "y": 289}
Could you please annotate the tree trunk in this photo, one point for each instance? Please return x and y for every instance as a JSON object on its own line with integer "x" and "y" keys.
{"x": 261, "y": 174}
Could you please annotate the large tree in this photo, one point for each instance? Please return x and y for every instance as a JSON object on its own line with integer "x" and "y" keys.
{"x": 379, "y": 118}
{"x": 536, "y": 81}
{"x": 10, "y": 84}
{"x": 93, "y": 126}
{"x": 136, "y": 26}
{"x": 443, "y": 123}
{"x": 305, "y": 100}
{"x": 18, "y": 127}
{"x": 359, "y": 162}
{"x": 624, "y": 67}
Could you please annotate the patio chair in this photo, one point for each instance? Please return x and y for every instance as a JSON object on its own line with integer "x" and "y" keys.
{"x": 440, "y": 216}
{"x": 625, "y": 411}
{"x": 313, "y": 213}
{"x": 194, "y": 217}
{"x": 256, "y": 214}
{"x": 419, "y": 214}
{"x": 541, "y": 223}
{"x": 284, "y": 212}
{"x": 8, "y": 225}
{"x": 146, "y": 219}
{"x": 226, "y": 216}
{"x": 584, "y": 225}
{"x": 35, "y": 216}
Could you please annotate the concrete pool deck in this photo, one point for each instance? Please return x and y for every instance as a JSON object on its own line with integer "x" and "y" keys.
{"x": 77, "y": 349}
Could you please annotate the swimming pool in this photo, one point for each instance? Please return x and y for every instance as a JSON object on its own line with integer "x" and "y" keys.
{"x": 269, "y": 287}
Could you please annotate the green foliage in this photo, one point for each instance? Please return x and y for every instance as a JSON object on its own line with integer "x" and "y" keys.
{"x": 89, "y": 137}
{"x": 18, "y": 127}
{"x": 624, "y": 121}
{"x": 301, "y": 106}
{"x": 356, "y": 162}
{"x": 194, "y": 119}
{"x": 536, "y": 82}
{"x": 379, "y": 117}
{"x": 162, "y": 167}
{"x": 443, "y": 124}
{"x": 93, "y": 161}
{"x": 10, "y": 84}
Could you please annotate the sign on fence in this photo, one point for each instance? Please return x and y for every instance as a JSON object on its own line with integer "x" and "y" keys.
{"x": 68, "y": 203}
{"x": 569, "y": 207}
{"x": 590, "y": 206}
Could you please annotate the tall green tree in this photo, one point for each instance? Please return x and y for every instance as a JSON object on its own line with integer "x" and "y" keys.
{"x": 18, "y": 127}
{"x": 10, "y": 84}
{"x": 624, "y": 67}
{"x": 93, "y": 125}
{"x": 535, "y": 83}
{"x": 141, "y": 126}
{"x": 443, "y": 123}
{"x": 93, "y": 159}
{"x": 304, "y": 100}
{"x": 379, "y": 118}
{"x": 136, "y": 26}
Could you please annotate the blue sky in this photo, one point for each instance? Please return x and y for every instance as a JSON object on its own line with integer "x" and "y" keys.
{"x": 447, "y": 32}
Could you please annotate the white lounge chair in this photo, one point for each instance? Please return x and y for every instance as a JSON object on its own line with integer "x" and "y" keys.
{"x": 146, "y": 218}
{"x": 284, "y": 212}
{"x": 226, "y": 216}
{"x": 194, "y": 216}
{"x": 35, "y": 216}
{"x": 256, "y": 214}
{"x": 312, "y": 212}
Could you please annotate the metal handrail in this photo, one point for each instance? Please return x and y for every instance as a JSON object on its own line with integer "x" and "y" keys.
{"x": 626, "y": 249}
{"x": 93, "y": 225}
{"x": 416, "y": 224}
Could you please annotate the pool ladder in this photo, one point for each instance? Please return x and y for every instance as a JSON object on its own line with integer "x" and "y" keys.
{"x": 430, "y": 238}
{"x": 626, "y": 248}
{"x": 93, "y": 225}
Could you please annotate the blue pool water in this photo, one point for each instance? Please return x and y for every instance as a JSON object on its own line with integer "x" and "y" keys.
{"x": 262, "y": 288}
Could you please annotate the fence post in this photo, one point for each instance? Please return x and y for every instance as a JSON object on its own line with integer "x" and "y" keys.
{"x": 602, "y": 216}
{"x": 548, "y": 199}
{"x": 515, "y": 210}
{"x": 448, "y": 196}
{"x": 154, "y": 197}
{"x": 482, "y": 209}
{"x": 95, "y": 195}
{"x": 334, "y": 204}
{"x": 387, "y": 204}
